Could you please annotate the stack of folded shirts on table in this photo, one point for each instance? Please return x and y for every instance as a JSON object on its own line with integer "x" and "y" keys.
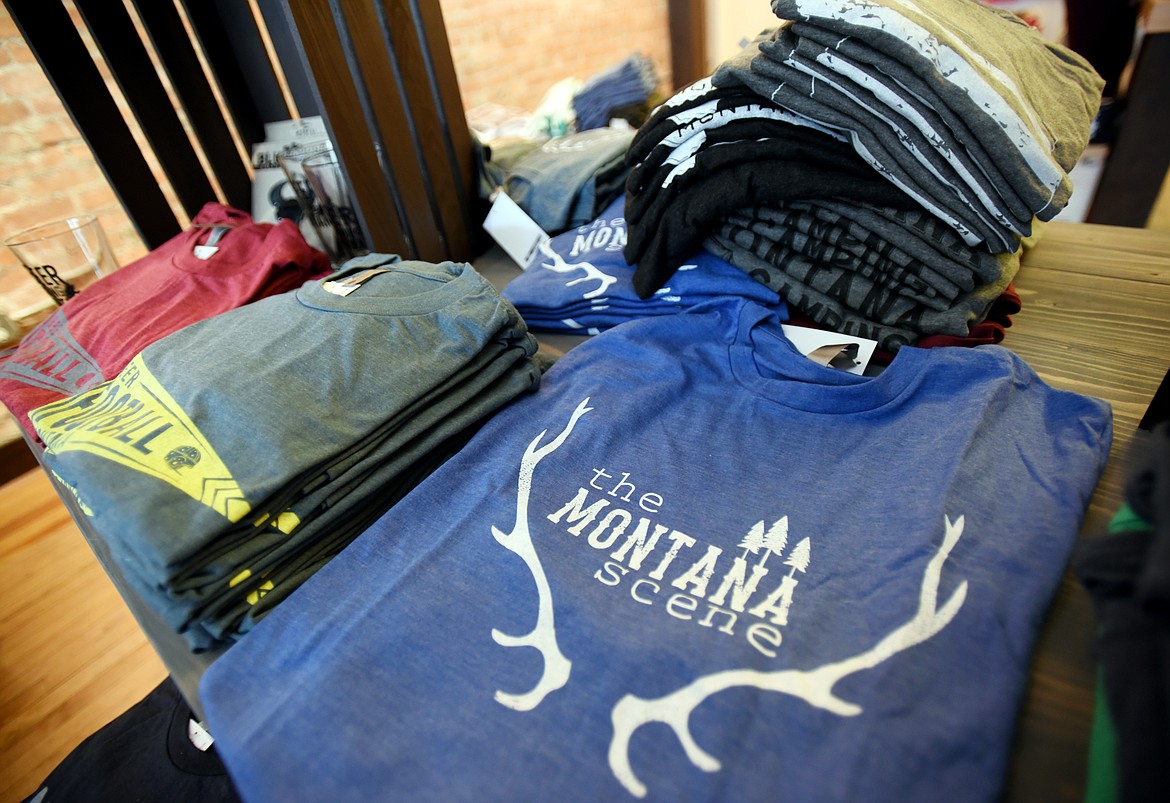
{"x": 971, "y": 111}
{"x": 580, "y": 282}
{"x": 626, "y": 84}
{"x": 885, "y": 274}
{"x": 971, "y": 119}
{"x": 223, "y": 260}
{"x": 568, "y": 180}
{"x": 233, "y": 458}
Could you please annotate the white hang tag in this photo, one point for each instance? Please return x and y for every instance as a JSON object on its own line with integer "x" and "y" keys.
{"x": 347, "y": 285}
{"x": 198, "y": 735}
{"x": 511, "y": 227}
{"x": 832, "y": 349}
{"x": 207, "y": 250}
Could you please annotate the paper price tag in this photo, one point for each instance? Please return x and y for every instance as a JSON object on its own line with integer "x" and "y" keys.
{"x": 209, "y": 249}
{"x": 348, "y": 285}
{"x": 199, "y": 735}
{"x": 511, "y": 227}
{"x": 832, "y": 349}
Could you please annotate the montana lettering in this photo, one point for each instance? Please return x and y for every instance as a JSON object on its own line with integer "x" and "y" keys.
{"x": 691, "y": 581}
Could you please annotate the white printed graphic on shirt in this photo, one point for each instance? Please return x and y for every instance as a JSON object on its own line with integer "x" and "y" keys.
{"x": 543, "y": 636}
{"x": 678, "y": 585}
{"x": 814, "y": 686}
{"x": 591, "y": 271}
{"x": 689, "y": 93}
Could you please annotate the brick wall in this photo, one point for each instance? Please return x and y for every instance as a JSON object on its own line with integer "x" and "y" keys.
{"x": 47, "y": 172}
{"x": 511, "y": 51}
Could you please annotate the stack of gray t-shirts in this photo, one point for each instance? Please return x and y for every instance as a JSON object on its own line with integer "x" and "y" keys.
{"x": 886, "y": 274}
{"x": 971, "y": 111}
{"x": 236, "y": 456}
{"x": 569, "y": 180}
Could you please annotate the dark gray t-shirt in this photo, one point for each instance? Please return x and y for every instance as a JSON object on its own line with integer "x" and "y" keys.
{"x": 218, "y": 426}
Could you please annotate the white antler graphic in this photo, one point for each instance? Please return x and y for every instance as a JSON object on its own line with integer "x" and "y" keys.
{"x": 543, "y": 636}
{"x": 592, "y": 272}
{"x": 815, "y": 686}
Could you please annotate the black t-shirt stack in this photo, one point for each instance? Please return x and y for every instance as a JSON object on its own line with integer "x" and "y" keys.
{"x": 707, "y": 152}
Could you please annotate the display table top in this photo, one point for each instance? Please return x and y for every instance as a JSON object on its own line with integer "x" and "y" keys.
{"x": 1095, "y": 320}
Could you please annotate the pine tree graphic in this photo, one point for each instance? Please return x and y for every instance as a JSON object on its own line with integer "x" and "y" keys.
{"x": 781, "y": 600}
{"x": 771, "y": 541}
{"x": 754, "y": 540}
{"x": 776, "y": 538}
{"x": 799, "y": 557}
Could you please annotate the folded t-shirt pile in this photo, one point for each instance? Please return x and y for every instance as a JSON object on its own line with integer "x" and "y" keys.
{"x": 233, "y": 458}
{"x": 621, "y": 89}
{"x": 708, "y": 151}
{"x": 971, "y": 115}
{"x": 223, "y": 260}
{"x": 580, "y": 282}
{"x": 896, "y": 276}
{"x": 569, "y": 180}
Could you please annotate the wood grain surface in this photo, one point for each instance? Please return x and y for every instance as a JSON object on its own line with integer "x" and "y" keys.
{"x": 1095, "y": 320}
{"x": 72, "y": 658}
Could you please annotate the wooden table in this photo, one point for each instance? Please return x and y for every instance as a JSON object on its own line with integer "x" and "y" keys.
{"x": 1096, "y": 320}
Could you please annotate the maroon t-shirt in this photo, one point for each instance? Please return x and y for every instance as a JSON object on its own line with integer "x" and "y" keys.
{"x": 93, "y": 335}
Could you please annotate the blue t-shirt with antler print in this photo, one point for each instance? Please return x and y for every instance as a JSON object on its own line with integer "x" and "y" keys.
{"x": 694, "y": 566}
{"x": 579, "y": 281}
